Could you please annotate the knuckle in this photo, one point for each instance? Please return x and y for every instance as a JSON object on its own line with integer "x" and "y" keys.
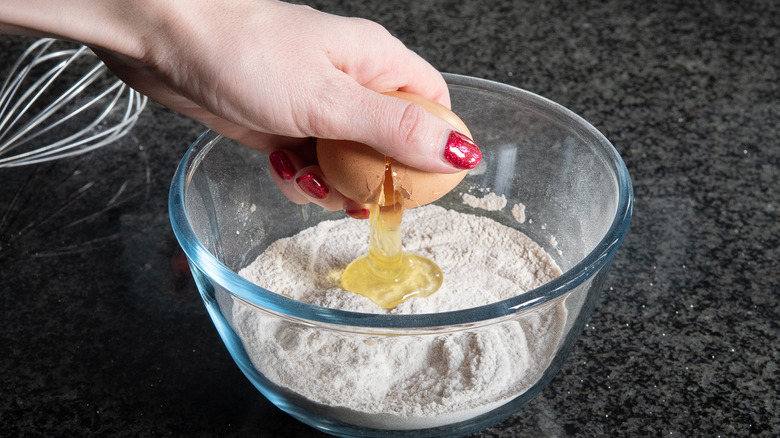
{"x": 321, "y": 110}
{"x": 411, "y": 126}
{"x": 369, "y": 27}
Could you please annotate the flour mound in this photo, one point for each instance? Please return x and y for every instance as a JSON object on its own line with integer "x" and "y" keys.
{"x": 417, "y": 380}
{"x": 482, "y": 262}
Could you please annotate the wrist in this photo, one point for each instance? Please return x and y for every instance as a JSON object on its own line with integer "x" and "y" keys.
{"x": 118, "y": 26}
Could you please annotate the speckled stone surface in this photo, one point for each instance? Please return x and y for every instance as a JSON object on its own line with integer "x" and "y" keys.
{"x": 102, "y": 332}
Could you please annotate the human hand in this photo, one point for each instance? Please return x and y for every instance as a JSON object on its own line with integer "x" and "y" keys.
{"x": 272, "y": 76}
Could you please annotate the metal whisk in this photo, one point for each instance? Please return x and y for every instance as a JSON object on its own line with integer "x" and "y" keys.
{"x": 39, "y": 97}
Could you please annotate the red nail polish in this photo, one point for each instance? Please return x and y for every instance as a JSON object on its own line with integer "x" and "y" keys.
{"x": 359, "y": 213}
{"x": 461, "y": 151}
{"x": 282, "y": 165}
{"x": 313, "y": 186}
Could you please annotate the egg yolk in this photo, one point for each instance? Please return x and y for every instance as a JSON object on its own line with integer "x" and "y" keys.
{"x": 387, "y": 275}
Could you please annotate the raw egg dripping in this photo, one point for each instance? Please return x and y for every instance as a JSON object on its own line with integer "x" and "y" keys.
{"x": 387, "y": 275}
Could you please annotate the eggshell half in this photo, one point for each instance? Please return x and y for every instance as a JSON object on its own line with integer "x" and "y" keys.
{"x": 357, "y": 170}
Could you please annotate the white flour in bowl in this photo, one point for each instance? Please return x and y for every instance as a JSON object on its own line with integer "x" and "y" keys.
{"x": 420, "y": 380}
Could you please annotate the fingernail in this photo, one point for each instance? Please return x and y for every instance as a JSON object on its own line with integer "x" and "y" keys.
{"x": 282, "y": 165}
{"x": 313, "y": 186}
{"x": 359, "y": 213}
{"x": 461, "y": 152}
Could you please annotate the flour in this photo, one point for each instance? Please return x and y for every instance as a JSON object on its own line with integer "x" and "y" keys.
{"x": 518, "y": 212}
{"x": 414, "y": 381}
{"x": 490, "y": 202}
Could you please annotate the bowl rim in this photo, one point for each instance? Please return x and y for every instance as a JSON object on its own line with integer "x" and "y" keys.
{"x": 595, "y": 260}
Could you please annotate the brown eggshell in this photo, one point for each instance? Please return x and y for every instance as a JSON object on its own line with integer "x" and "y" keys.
{"x": 357, "y": 170}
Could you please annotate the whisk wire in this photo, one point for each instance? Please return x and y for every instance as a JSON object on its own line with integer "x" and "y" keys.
{"x": 68, "y": 95}
{"x": 72, "y": 141}
{"x": 16, "y": 79}
{"x": 39, "y": 88}
{"x": 26, "y": 116}
{"x": 42, "y": 84}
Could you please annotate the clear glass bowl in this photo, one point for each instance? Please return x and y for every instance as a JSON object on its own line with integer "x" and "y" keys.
{"x": 226, "y": 210}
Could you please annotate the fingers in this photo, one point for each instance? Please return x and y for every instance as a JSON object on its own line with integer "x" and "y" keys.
{"x": 402, "y": 130}
{"x": 386, "y": 64}
{"x": 284, "y": 168}
{"x": 310, "y": 183}
{"x": 356, "y": 209}
{"x": 302, "y": 183}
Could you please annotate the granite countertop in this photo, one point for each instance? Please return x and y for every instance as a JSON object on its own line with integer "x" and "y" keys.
{"x": 102, "y": 331}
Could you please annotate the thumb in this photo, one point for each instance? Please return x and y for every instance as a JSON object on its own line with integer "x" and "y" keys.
{"x": 413, "y": 130}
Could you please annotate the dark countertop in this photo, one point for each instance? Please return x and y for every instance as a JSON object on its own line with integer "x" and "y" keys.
{"x": 102, "y": 331}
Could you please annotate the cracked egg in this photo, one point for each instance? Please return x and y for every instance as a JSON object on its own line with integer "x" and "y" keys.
{"x": 358, "y": 170}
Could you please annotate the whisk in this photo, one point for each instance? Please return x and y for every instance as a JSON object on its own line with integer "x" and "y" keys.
{"x": 39, "y": 97}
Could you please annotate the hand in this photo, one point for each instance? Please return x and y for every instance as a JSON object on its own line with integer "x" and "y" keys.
{"x": 272, "y": 75}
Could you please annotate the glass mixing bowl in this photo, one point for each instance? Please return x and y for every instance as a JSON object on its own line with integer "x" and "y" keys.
{"x": 577, "y": 194}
